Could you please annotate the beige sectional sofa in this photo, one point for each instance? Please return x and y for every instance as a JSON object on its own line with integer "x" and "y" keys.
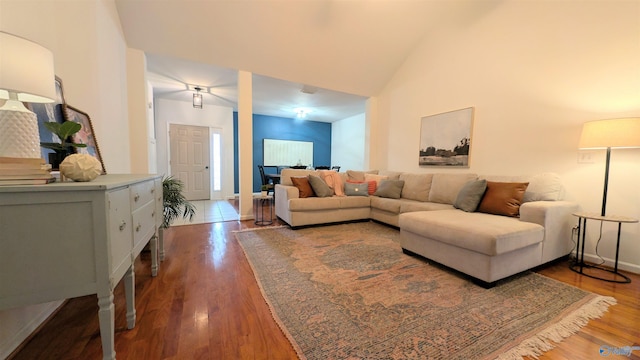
{"x": 486, "y": 246}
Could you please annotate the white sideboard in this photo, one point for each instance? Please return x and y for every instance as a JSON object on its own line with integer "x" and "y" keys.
{"x": 70, "y": 239}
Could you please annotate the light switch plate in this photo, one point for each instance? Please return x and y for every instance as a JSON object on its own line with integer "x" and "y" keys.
{"x": 586, "y": 157}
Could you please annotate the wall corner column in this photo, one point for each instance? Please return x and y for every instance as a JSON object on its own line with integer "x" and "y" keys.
{"x": 245, "y": 145}
{"x": 137, "y": 110}
{"x": 373, "y": 158}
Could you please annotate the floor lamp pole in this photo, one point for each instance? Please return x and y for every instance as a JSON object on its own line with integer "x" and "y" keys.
{"x": 606, "y": 183}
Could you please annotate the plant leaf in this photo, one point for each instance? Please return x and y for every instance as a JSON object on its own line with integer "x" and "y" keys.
{"x": 69, "y": 128}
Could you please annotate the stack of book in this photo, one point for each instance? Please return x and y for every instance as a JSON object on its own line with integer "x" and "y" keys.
{"x": 24, "y": 171}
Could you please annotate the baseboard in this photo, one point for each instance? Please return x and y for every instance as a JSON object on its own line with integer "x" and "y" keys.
{"x": 591, "y": 258}
{"x": 23, "y": 332}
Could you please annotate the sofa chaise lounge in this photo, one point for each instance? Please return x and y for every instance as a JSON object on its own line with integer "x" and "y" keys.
{"x": 486, "y": 246}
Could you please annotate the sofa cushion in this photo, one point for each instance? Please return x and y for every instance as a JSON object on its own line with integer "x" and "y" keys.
{"x": 347, "y": 202}
{"x": 356, "y": 189}
{"x": 488, "y": 234}
{"x": 445, "y": 187}
{"x": 356, "y": 175}
{"x": 286, "y": 174}
{"x": 412, "y": 205}
{"x": 386, "y": 204}
{"x": 315, "y": 203}
{"x": 470, "y": 195}
{"x": 302, "y": 183}
{"x": 390, "y": 189}
{"x": 416, "y": 186}
{"x": 376, "y": 178}
{"x": 502, "y": 198}
{"x": 391, "y": 175}
{"x": 320, "y": 187}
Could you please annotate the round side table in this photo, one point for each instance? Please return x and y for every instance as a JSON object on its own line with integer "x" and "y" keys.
{"x": 579, "y": 265}
{"x": 263, "y": 200}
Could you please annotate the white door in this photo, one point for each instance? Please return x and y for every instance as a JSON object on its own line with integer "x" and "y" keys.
{"x": 189, "y": 159}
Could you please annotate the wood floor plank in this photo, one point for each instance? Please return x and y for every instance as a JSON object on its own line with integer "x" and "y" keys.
{"x": 205, "y": 304}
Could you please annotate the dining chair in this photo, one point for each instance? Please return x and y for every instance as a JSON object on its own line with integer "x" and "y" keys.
{"x": 265, "y": 180}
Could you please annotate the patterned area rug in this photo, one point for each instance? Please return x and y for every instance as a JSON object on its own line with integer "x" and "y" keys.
{"x": 348, "y": 292}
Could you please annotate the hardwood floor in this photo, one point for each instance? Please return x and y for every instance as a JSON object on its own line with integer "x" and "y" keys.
{"x": 205, "y": 304}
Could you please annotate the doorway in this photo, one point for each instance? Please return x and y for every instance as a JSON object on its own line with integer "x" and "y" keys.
{"x": 189, "y": 159}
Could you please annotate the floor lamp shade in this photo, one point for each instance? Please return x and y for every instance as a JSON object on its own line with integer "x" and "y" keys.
{"x": 26, "y": 74}
{"x": 608, "y": 134}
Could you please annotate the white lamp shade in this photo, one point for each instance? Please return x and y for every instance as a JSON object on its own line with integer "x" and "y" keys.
{"x": 614, "y": 133}
{"x": 26, "y": 69}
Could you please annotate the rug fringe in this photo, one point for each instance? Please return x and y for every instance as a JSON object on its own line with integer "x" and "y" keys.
{"x": 270, "y": 306}
{"x": 546, "y": 339}
{"x": 261, "y": 228}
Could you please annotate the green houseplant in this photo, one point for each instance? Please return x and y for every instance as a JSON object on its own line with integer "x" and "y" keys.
{"x": 63, "y": 131}
{"x": 174, "y": 203}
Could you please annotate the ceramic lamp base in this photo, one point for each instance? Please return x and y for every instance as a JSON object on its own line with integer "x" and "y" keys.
{"x": 19, "y": 135}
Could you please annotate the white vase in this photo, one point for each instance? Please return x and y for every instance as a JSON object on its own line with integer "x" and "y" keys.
{"x": 264, "y": 193}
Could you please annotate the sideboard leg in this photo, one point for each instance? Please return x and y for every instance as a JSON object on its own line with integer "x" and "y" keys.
{"x": 130, "y": 296}
{"x": 161, "y": 243}
{"x": 107, "y": 324}
{"x": 154, "y": 255}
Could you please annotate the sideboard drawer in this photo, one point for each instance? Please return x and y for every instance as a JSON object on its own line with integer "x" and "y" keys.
{"x": 159, "y": 202}
{"x": 120, "y": 230}
{"x": 144, "y": 225}
{"x": 141, "y": 194}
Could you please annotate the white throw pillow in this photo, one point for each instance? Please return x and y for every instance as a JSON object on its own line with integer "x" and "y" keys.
{"x": 544, "y": 187}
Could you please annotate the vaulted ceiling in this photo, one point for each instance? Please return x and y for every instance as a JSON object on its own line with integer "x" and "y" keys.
{"x": 347, "y": 49}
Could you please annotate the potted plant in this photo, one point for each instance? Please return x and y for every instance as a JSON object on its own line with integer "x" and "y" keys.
{"x": 264, "y": 190}
{"x": 174, "y": 203}
{"x": 63, "y": 131}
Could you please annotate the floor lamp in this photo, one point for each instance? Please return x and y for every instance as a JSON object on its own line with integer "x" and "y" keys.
{"x": 610, "y": 134}
{"x": 26, "y": 75}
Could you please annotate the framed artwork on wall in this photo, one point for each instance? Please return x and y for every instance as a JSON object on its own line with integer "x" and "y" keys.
{"x": 445, "y": 139}
{"x": 85, "y": 135}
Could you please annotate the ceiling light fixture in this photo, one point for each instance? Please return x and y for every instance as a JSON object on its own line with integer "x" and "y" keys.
{"x": 301, "y": 113}
{"x": 307, "y": 89}
{"x": 197, "y": 98}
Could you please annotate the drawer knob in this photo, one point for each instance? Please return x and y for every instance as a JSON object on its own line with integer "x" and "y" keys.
{"x": 153, "y": 214}
{"x": 138, "y": 227}
{"x": 136, "y": 198}
{"x": 153, "y": 190}
{"x": 123, "y": 225}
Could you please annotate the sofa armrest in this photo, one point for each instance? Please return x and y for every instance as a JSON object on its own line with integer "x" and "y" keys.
{"x": 282, "y": 194}
{"x": 555, "y": 217}
{"x": 286, "y": 192}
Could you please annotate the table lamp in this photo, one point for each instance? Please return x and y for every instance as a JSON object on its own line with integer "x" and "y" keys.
{"x": 608, "y": 134}
{"x": 26, "y": 74}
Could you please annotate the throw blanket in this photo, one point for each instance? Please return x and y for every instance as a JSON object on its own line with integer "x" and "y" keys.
{"x": 334, "y": 180}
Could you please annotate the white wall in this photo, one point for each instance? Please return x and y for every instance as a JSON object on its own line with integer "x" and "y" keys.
{"x": 140, "y": 141}
{"x": 347, "y": 143}
{"x": 89, "y": 55}
{"x": 535, "y": 72}
{"x": 181, "y": 112}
